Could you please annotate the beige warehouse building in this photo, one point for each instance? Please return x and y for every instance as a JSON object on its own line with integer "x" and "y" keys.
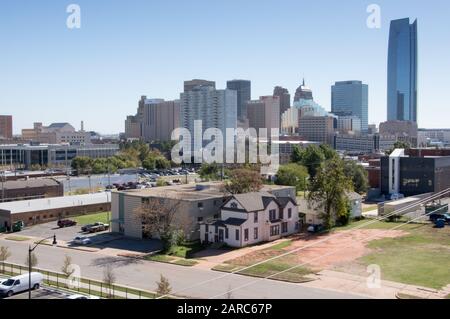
{"x": 195, "y": 203}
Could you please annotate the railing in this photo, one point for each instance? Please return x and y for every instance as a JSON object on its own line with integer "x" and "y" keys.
{"x": 83, "y": 285}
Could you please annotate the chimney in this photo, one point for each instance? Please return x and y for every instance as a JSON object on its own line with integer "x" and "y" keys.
{"x": 82, "y": 126}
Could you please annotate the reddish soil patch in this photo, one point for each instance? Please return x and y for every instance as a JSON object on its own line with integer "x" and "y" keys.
{"x": 325, "y": 251}
{"x": 335, "y": 249}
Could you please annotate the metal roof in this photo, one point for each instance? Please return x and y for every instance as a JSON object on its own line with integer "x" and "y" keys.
{"x": 35, "y": 205}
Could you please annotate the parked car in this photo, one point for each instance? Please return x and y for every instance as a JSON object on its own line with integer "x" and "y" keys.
{"x": 66, "y": 223}
{"x": 436, "y": 216}
{"x": 20, "y": 283}
{"x": 80, "y": 240}
{"x": 79, "y": 297}
{"x": 94, "y": 228}
{"x": 315, "y": 228}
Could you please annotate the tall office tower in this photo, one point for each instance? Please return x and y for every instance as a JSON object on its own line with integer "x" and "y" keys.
{"x": 285, "y": 98}
{"x": 402, "y": 71}
{"x": 133, "y": 123}
{"x": 160, "y": 119}
{"x": 264, "y": 113}
{"x": 191, "y": 84}
{"x": 303, "y": 93}
{"x": 217, "y": 109}
{"x": 317, "y": 129}
{"x": 6, "y": 126}
{"x": 351, "y": 98}
{"x": 244, "y": 94}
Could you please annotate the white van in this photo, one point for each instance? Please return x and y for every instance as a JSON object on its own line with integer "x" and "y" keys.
{"x": 20, "y": 283}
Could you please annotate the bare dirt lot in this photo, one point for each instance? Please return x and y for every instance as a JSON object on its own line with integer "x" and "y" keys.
{"x": 318, "y": 252}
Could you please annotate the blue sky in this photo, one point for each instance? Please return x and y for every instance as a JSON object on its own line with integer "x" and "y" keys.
{"x": 125, "y": 49}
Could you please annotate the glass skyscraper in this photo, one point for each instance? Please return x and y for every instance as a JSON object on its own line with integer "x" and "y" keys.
{"x": 402, "y": 71}
{"x": 244, "y": 93}
{"x": 351, "y": 98}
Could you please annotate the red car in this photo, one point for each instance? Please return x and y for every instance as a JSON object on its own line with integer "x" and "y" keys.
{"x": 66, "y": 223}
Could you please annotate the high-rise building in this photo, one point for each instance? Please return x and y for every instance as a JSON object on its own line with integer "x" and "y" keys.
{"x": 285, "y": 98}
{"x": 402, "y": 71}
{"x": 154, "y": 121}
{"x": 217, "y": 109}
{"x": 351, "y": 98}
{"x": 244, "y": 94}
{"x": 191, "y": 84}
{"x": 304, "y": 102}
{"x": 303, "y": 92}
{"x": 317, "y": 129}
{"x": 264, "y": 113}
{"x": 348, "y": 124}
{"x": 6, "y": 127}
{"x": 160, "y": 119}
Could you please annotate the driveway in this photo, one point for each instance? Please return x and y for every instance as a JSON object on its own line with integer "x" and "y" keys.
{"x": 113, "y": 244}
{"x": 62, "y": 234}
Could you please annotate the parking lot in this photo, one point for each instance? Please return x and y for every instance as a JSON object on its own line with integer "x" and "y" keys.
{"x": 100, "y": 240}
{"x": 66, "y": 234}
{"x": 42, "y": 293}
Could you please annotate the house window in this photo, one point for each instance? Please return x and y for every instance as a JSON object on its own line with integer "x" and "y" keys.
{"x": 255, "y": 233}
{"x": 272, "y": 214}
{"x": 200, "y": 205}
{"x": 281, "y": 214}
{"x": 234, "y": 205}
{"x": 289, "y": 213}
{"x": 246, "y": 234}
{"x": 284, "y": 228}
{"x": 275, "y": 230}
{"x": 297, "y": 226}
{"x": 226, "y": 233}
{"x": 200, "y": 219}
{"x": 216, "y": 216}
{"x": 237, "y": 234}
{"x": 255, "y": 217}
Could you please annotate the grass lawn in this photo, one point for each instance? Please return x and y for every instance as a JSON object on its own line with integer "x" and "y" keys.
{"x": 17, "y": 238}
{"x": 372, "y": 224}
{"x": 185, "y": 262}
{"x": 420, "y": 258}
{"x": 160, "y": 258}
{"x": 185, "y": 251}
{"x": 282, "y": 245}
{"x": 92, "y": 218}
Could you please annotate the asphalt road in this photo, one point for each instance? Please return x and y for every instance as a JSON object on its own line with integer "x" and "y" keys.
{"x": 144, "y": 275}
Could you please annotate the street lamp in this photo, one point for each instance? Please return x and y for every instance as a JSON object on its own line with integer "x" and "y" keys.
{"x": 30, "y": 250}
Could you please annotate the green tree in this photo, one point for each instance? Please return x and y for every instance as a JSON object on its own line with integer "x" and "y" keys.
{"x": 311, "y": 157}
{"x": 210, "y": 172}
{"x": 328, "y": 190}
{"x": 398, "y": 144}
{"x": 82, "y": 164}
{"x": 292, "y": 175}
{"x": 358, "y": 175}
{"x": 243, "y": 181}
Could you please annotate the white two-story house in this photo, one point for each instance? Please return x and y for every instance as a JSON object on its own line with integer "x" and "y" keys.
{"x": 248, "y": 219}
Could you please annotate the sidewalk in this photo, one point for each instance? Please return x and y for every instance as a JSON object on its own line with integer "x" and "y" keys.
{"x": 340, "y": 281}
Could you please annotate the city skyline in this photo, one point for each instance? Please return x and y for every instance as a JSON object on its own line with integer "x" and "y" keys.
{"x": 104, "y": 67}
